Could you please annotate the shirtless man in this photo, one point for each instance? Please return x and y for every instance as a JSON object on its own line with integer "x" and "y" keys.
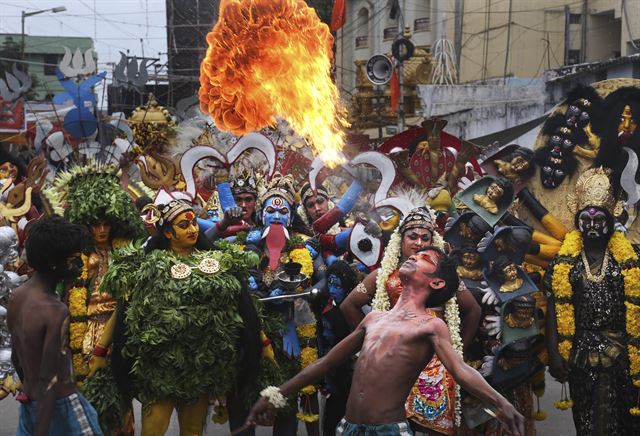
{"x": 39, "y": 326}
{"x": 395, "y": 346}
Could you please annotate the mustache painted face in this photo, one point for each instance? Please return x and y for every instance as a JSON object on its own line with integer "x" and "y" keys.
{"x": 592, "y": 223}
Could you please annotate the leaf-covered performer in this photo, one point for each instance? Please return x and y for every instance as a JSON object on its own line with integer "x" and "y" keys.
{"x": 394, "y": 347}
{"x": 188, "y": 322}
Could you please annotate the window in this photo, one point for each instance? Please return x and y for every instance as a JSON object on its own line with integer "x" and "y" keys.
{"x": 362, "y": 33}
{"x": 50, "y": 64}
{"x": 422, "y": 24}
{"x": 575, "y": 18}
{"x": 390, "y": 33}
{"x": 574, "y": 57}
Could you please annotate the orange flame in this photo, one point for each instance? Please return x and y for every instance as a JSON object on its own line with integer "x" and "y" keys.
{"x": 268, "y": 59}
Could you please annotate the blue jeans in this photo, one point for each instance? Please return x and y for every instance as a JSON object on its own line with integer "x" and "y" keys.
{"x": 395, "y": 429}
{"x": 72, "y": 416}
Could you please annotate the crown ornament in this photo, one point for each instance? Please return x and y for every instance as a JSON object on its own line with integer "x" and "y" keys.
{"x": 420, "y": 217}
{"x": 282, "y": 186}
{"x": 244, "y": 181}
{"x": 594, "y": 189}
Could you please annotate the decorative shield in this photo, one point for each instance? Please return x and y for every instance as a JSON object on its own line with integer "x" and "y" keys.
{"x": 365, "y": 247}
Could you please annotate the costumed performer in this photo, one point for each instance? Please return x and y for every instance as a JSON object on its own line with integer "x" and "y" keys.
{"x": 394, "y": 347}
{"x": 593, "y": 313}
{"x": 189, "y": 326}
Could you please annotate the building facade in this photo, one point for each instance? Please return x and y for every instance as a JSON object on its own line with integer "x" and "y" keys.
{"x": 42, "y": 54}
{"x": 188, "y": 22}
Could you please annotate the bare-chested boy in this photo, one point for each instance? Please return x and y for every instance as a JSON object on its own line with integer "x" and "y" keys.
{"x": 395, "y": 346}
{"x": 39, "y": 326}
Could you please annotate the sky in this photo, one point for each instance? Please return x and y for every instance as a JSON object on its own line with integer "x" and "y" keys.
{"x": 115, "y": 25}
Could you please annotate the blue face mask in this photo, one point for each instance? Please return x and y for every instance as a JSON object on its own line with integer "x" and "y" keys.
{"x": 276, "y": 210}
{"x": 335, "y": 289}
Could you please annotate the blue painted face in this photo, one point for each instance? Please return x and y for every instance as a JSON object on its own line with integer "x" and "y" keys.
{"x": 335, "y": 289}
{"x": 276, "y": 210}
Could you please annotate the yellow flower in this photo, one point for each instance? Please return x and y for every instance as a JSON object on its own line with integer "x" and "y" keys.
{"x": 304, "y": 417}
{"x": 78, "y": 301}
{"x": 566, "y": 322}
{"x": 563, "y": 404}
{"x": 634, "y": 411}
{"x": 85, "y": 267}
{"x": 308, "y": 390}
{"x": 76, "y": 334}
{"x": 634, "y": 359}
{"x": 560, "y": 280}
{"x": 633, "y": 319}
{"x": 303, "y": 257}
{"x": 308, "y": 355}
{"x": 564, "y": 348}
{"x": 539, "y": 415}
{"x": 621, "y": 248}
{"x": 632, "y": 282}
{"x": 306, "y": 331}
{"x": 572, "y": 244}
{"x": 80, "y": 367}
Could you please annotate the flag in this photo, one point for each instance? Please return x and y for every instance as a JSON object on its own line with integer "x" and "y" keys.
{"x": 339, "y": 14}
{"x": 394, "y": 83}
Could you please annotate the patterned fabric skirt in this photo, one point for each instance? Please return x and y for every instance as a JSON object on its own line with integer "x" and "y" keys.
{"x": 431, "y": 402}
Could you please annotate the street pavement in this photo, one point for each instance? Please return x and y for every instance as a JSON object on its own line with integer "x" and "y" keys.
{"x": 558, "y": 423}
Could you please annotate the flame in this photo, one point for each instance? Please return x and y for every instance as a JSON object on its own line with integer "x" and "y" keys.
{"x": 269, "y": 59}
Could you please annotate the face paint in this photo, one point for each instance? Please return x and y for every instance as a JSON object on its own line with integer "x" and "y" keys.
{"x": 184, "y": 230}
{"x": 592, "y": 223}
{"x": 100, "y": 232}
{"x": 8, "y": 171}
{"x": 276, "y": 210}
{"x": 335, "y": 289}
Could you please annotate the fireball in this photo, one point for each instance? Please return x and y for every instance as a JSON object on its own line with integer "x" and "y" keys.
{"x": 269, "y": 59}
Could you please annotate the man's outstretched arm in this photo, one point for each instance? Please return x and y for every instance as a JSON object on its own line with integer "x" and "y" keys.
{"x": 338, "y": 354}
{"x": 471, "y": 380}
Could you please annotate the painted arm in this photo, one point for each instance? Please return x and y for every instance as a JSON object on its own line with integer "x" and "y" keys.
{"x": 471, "y": 380}
{"x": 99, "y": 354}
{"x": 344, "y": 206}
{"x": 53, "y": 350}
{"x": 470, "y": 313}
{"x": 351, "y": 307}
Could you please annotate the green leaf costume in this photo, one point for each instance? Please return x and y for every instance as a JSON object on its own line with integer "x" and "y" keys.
{"x": 182, "y": 334}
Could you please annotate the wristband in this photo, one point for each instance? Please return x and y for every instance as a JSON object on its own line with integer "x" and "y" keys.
{"x": 274, "y": 396}
{"x": 99, "y": 351}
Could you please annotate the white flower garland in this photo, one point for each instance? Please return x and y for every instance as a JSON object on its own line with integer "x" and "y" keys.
{"x": 275, "y": 397}
{"x": 452, "y": 318}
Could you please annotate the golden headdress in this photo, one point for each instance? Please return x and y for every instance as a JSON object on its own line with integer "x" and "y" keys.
{"x": 282, "y": 186}
{"x": 594, "y": 189}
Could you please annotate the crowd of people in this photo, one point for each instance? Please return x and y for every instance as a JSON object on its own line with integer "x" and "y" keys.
{"x": 412, "y": 289}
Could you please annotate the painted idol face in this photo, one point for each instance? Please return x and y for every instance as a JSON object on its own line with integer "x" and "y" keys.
{"x": 276, "y": 210}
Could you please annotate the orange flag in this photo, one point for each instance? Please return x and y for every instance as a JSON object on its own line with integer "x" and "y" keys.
{"x": 338, "y": 15}
{"x": 394, "y": 83}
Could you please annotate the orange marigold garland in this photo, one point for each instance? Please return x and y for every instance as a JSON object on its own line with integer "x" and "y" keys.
{"x": 624, "y": 253}
{"x": 77, "y": 301}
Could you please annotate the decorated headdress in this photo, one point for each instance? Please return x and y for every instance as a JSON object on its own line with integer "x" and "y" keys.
{"x": 420, "y": 217}
{"x": 244, "y": 181}
{"x": 307, "y": 192}
{"x": 594, "y": 189}
{"x": 165, "y": 213}
{"x": 92, "y": 192}
{"x": 282, "y": 186}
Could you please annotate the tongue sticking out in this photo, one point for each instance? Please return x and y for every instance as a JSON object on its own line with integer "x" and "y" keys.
{"x": 275, "y": 241}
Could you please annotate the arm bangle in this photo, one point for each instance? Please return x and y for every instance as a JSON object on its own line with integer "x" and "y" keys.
{"x": 275, "y": 397}
{"x": 99, "y": 351}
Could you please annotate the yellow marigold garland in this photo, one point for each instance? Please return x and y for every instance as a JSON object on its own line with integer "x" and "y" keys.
{"x": 78, "y": 326}
{"x": 624, "y": 253}
{"x": 302, "y": 256}
{"x": 308, "y": 355}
